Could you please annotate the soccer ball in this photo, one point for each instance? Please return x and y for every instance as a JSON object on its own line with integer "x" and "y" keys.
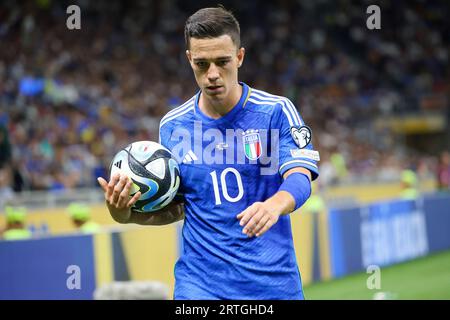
{"x": 154, "y": 172}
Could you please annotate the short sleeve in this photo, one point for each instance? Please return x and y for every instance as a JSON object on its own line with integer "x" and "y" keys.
{"x": 295, "y": 140}
{"x": 165, "y": 131}
{"x": 164, "y": 134}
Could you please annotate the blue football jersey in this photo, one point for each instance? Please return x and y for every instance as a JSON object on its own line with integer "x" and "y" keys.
{"x": 226, "y": 165}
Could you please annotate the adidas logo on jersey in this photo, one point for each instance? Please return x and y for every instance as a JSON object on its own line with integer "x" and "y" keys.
{"x": 189, "y": 157}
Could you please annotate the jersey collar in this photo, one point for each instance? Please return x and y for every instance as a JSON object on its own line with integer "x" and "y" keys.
{"x": 246, "y": 90}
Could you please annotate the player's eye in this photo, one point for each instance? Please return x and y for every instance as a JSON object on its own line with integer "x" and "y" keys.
{"x": 201, "y": 64}
{"x": 222, "y": 63}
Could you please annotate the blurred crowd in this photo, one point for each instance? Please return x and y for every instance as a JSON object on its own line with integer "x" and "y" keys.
{"x": 18, "y": 228}
{"x": 70, "y": 99}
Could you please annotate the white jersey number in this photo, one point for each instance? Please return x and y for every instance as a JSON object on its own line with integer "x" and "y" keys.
{"x": 223, "y": 183}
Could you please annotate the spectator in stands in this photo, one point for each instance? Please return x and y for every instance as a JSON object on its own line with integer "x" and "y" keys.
{"x": 15, "y": 224}
{"x": 81, "y": 218}
{"x": 315, "y": 204}
{"x": 339, "y": 164}
{"x": 409, "y": 185}
{"x": 6, "y": 192}
{"x": 5, "y": 147}
{"x": 97, "y": 89}
{"x": 443, "y": 172}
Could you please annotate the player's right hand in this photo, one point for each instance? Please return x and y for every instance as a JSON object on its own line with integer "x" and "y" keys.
{"x": 117, "y": 196}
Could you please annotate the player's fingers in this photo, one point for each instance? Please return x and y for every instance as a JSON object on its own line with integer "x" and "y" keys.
{"x": 134, "y": 199}
{"x": 112, "y": 182}
{"x": 240, "y": 215}
{"x": 251, "y": 224}
{"x": 102, "y": 182}
{"x": 243, "y": 213}
{"x": 118, "y": 188}
{"x": 247, "y": 214}
{"x": 258, "y": 228}
{"x": 266, "y": 227}
{"x": 124, "y": 196}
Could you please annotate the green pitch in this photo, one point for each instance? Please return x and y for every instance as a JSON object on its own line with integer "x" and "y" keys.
{"x": 424, "y": 278}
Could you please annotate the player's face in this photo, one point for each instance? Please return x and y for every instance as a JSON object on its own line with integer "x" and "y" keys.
{"x": 215, "y": 63}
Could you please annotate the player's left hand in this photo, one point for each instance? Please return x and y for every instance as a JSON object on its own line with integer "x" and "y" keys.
{"x": 257, "y": 219}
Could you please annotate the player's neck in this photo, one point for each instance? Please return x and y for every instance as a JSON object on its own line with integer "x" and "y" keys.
{"x": 216, "y": 108}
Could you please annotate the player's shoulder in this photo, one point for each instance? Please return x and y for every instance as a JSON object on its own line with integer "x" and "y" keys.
{"x": 179, "y": 114}
{"x": 263, "y": 101}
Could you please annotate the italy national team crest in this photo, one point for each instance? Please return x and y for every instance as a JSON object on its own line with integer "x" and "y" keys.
{"x": 252, "y": 144}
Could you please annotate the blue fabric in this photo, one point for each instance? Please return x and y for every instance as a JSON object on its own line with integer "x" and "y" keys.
{"x": 218, "y": 261}
{"x": 30, "y": 86}
{"x": 299, "y": 186}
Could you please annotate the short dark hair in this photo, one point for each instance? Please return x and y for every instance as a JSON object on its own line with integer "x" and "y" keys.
{"x": 212, "y": 23}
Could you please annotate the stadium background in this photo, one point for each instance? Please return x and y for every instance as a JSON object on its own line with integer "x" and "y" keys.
{"x": 377, "y": 101}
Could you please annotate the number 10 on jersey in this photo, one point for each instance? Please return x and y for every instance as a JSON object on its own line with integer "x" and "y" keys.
{"x": 223, "y": 185}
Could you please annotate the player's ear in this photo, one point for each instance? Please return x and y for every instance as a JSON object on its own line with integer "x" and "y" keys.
{"x": 240, "y": 56}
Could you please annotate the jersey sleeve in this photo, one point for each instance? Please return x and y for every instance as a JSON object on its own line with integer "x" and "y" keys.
{"x": 164, "y": 134}
{"x": 165, "y": 131}
{"x": 295, "y": 140}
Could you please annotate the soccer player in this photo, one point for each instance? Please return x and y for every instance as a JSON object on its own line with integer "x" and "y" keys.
{"x": 237, "y": 239}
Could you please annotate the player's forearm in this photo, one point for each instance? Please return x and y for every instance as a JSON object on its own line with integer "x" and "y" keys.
{"x": 168, "y": 215}
{"x": 296, "y": 189}
{"x": 119, "y": 215}
{"x": 281, "y": 202}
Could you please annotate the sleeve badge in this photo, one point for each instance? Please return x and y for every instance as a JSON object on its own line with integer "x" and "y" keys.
{"x": 301, "y": 135}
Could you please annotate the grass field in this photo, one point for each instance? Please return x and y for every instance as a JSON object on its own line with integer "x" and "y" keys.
{"x": 424, "y": 278}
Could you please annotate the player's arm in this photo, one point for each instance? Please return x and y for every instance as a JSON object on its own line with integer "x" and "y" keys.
{"x": 172, "y": 213}
{"x": 119, "y": 204}
{"x": 284, "y": 199}
{"x": 293, "y": 193}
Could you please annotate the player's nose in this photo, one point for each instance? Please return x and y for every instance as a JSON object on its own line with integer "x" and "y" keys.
{"x": 213, "y": 73}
